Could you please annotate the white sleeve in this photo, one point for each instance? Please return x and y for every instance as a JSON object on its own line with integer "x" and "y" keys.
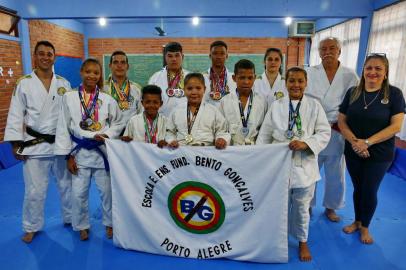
{"x": 171, "y": 131}
{"x": 63, "y": 141}
{"x": 322, "y": 132}
{"x": 15, "y": 119}
{"x": 220, "y": 127}
{"x": 116, "y": 120}
{"x": 265, "y": 133}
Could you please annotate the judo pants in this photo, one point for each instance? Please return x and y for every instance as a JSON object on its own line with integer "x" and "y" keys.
{"x": 299, "y": 217}
{"x": 80, "y": 196}
{"x": 37, "y": 171}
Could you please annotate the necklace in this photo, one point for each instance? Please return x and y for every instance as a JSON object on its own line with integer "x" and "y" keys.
{"x": 365, "y": 102}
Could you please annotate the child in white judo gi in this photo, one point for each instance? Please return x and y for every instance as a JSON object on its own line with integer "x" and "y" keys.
{"x": 300, "y": 121}
{"x": 245, "y": 110}
{"x": 149, "y": 126}
{"x": 198, "y": 123}
{"x": 87, "y": 117}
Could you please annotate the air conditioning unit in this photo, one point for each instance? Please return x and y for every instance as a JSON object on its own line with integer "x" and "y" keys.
{"x": 302, "y": 29}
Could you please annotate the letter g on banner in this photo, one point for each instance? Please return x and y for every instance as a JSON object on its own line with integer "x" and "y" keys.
{"x": 196, "y": 207}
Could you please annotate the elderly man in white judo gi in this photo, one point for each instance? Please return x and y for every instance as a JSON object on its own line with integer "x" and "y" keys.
{"x": 31, "y": 127}
{"x": 328, "y": 83}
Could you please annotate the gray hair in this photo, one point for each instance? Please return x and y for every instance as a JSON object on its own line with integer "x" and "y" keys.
{"x": 336, "y": 40}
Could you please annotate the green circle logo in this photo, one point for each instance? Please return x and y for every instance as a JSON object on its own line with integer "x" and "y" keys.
{"x": 196, "y": 207}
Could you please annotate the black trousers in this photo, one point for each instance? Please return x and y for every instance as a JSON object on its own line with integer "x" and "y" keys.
{"x": 366, "y": 178}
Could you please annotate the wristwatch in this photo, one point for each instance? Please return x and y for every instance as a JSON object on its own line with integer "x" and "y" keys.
{"x": 367, "y": 143}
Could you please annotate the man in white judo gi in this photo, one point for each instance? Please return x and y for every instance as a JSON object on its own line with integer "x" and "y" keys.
{"x": 31, "y": 127}
{"x": 328, "y": 83}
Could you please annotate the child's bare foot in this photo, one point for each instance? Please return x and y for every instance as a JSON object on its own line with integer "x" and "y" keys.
{"x": 109, "y": 232}
{"x": 304, "y": 252}
{"x": 84, "y": 234}
{"x": 353, "y": 227}
{"x": 365, "y": 237}
{"x": 28, "y": 236}
{"x": 331, "y": 215}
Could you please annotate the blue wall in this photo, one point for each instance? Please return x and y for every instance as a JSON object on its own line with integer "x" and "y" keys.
{"x": 186, "y": 29}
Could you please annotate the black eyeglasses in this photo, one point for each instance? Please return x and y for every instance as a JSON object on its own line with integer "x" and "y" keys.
{"x": 377, "y": 54}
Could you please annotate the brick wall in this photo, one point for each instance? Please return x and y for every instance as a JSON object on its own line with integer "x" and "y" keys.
{"x": 10, "y": 58}
{"x": 293, "y": 46}
{"x": 66, "y": 42}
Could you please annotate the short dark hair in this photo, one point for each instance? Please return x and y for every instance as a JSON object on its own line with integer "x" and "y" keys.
{"x": 118, "y": 53}
{"x": 218, "y": 43}
{"x": 243, "y": 64}
{"x": 295, "y": 69}
{"x": 152, "y": 90}
{"x": 196, "y": 75}
{"x": 172, "y": 47}
{"x": 45, "y": 43}
{"x": 97, "y": 62}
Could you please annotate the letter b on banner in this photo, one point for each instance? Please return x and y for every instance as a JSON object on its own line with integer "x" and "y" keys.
{"x": 204, "y": 212}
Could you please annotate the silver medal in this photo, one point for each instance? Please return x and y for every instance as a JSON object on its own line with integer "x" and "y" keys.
{"x": 299, "y": 133}
{"x": 289, "y": 134}
{"x": 384, "y": 101}
{"x": 245, "y": 131}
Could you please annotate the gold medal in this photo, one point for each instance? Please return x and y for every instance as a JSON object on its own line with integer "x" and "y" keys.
{"x": 124, "y": 105}
{"x": 61, "y": 91}
{"x": 215, "y": 95}
{"x": 96, "y": 126}
{"x": 279, "y": 95}
{"x": 188, "y": 138}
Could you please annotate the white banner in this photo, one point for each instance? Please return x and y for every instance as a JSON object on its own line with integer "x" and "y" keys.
{"x": 199, "y": 202}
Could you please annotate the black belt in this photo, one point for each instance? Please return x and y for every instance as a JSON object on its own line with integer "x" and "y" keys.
{"x": 39, "y": 138}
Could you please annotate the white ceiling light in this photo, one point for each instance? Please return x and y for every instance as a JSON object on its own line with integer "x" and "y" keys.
{"x": 102, "y": 21}
{"x": 195, "y": 20}
{"x": 288, "y": 20}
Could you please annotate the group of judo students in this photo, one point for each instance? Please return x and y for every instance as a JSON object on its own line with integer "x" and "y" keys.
{"x": 55, "y": 128}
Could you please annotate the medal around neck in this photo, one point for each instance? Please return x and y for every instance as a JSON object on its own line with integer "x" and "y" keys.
{"x": 188, "y": 138}
{"x": 289, "y": 134}
{"x": 299, "y": 133}
{"x": 215, "y": 95}
{"x": 86, "y": 124}
{"x": 245, "y": 131}
{"x": 170, "y": 92}
{"x": 124, "y": 105}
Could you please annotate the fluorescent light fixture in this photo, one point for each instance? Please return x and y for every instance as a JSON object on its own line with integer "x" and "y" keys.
{"x": 288, "y": 20}
{"x": 195, "y": 20}
{"x": 102, "y": 21}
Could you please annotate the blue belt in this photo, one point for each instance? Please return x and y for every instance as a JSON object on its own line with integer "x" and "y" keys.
{"x": 89, "y": 144}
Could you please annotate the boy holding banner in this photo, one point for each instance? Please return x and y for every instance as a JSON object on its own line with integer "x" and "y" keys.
{"x": 244, "y": 111}
{"x": 149, "y": 126}
{"x": 300, "y": 121}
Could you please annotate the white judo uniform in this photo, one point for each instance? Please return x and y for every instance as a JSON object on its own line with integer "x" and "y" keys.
{"x": 330, "y": 96}
{"x": 136, "y": 128}
{"x": 230, "y": 85}
{"x": 270, "y": 94}
{"x": 33, "y": 106}
{"x": 305, "y": 170}
{"x": 229, "y": 107}
{"x": 160, "y": 78}
{"x": 135, "y": 100}
{"x": 90, "y": 163}
{"x": 208, "y": 126}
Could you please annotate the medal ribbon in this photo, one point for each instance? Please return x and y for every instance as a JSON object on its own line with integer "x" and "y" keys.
{"x": 151, "y": 129}
{"x": 218, "y": 82}
{"x": 190, "y": 122}
{"x": 244, "y": 119}
{"x": 294, "y": 117}
{"x": 120, "y": 93}
{"x": 174, "y": 83}
{"x": 89, "y": 109}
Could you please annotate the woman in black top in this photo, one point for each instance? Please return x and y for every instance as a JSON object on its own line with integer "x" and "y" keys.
{"x": 370, "y": 116}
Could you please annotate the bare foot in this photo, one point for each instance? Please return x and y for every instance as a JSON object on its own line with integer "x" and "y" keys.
{"x": 84, "y": 234}
{"x": 353, "y": 227}
{"x": 304, "y": 252}
{"x": 28, "y": 236}
{"x": 331, "y": 215}
{"x": 109, "y": 232}
{"x": 365, "y": 237}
